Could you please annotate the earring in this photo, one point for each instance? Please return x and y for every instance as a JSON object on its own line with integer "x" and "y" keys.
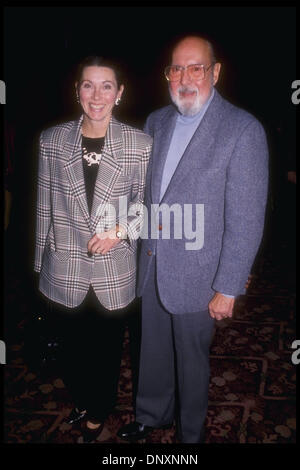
{"x": 117, "y": 102}
{"x": 77, "y": 98}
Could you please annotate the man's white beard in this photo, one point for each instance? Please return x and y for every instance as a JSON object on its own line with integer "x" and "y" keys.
{"x": 186, "y": 107}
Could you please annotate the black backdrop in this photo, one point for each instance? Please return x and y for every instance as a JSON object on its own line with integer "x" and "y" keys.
{"x": 257, "y": 47}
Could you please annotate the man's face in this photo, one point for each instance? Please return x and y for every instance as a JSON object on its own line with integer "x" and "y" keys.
{"x": 187, "y": 94}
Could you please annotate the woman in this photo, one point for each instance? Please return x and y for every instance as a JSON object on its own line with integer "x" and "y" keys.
{"x": 89, "y": 213}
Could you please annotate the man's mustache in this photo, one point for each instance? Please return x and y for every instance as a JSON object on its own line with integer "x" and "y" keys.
{"x": 187, "y": 89}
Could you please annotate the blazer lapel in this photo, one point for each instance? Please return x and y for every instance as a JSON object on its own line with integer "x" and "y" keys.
{"x": 197, "y": 152}
{"x": 161, "y": 144}
{"x": 74, "y": 168}
{"x": 108, "y": 172}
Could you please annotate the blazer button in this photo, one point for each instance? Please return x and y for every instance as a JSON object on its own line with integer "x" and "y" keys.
{"x": 149, "y": 252}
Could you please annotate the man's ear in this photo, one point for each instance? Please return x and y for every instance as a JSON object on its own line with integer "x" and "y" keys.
{"x": 216, "y": 72}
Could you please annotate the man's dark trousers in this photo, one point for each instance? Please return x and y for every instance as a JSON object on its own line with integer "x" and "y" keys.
{"x": 174, "y": 348}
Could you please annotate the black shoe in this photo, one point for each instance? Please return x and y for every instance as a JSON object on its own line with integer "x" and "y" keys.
{"x": 75, "y": 416}
{"x": 90, "y": 435}
{"x": 134, "y": 431}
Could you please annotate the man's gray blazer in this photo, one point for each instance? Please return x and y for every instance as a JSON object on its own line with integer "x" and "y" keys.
{"x": 225, "y": 169}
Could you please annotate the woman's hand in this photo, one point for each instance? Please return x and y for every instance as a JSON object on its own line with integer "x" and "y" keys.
{"x": 102, "y": 242}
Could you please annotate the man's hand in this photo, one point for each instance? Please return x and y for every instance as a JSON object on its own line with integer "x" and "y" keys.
{"x": 221, "y": 307}
{"x": 103, "y": 242}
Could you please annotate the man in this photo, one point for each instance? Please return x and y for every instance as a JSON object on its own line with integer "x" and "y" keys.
{"x": 213, "y": 155}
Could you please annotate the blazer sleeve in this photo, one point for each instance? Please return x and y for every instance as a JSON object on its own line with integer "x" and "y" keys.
{"x": 244, "y": 212}
{"x": 134, "y": 220}
{"x": 43, "y": 209}
{"x": 148, "y": 126}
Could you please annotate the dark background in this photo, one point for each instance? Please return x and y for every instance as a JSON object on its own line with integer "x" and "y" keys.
{"x": 256, "y": 45}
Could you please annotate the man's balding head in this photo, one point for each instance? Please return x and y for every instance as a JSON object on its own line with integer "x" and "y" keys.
{"x": 197, "y": 41}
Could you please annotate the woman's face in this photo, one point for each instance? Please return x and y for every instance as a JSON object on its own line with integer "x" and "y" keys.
{"x": 98, "y": 91}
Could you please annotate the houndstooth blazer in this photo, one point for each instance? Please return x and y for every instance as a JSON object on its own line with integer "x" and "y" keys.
{"x": 64, "y": 225}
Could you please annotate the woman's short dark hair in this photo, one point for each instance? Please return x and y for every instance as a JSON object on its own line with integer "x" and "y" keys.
{"x": 99, "y": 61}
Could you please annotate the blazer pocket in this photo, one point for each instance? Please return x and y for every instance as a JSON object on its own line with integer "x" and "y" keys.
{"x": 55, "y": 265}
{"x": 206, "y": 170}
{"x": 62, "y": 256}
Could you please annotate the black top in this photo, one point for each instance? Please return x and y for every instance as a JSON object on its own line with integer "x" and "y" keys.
{"x": 91, "y": 155}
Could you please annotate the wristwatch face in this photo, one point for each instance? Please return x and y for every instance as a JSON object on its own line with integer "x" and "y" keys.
{"x": 119, "y": 234}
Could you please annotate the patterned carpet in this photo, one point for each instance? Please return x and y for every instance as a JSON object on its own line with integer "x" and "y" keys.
{"x": 252, "y": 396}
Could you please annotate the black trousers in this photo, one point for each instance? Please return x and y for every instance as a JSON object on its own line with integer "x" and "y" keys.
{"x": 174, "y": 363}
{"x": 92, "y": 339}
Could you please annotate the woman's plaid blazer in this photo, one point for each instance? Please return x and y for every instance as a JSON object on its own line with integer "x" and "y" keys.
{"x": 64, "y": 225}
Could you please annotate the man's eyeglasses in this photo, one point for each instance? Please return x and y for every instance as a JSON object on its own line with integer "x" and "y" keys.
{"x": 173, "y": 73}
